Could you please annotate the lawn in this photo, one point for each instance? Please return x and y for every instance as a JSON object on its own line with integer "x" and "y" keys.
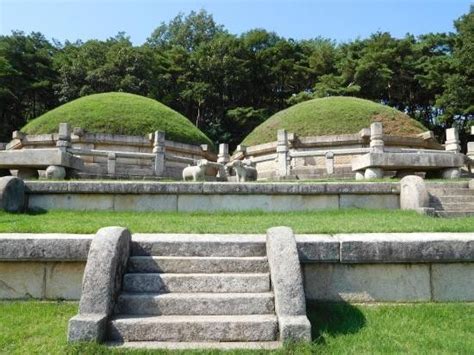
{"x": 328, "y": 221}
{"x": 34, "y": 327}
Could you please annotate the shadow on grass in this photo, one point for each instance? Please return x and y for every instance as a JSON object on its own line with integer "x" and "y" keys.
{"x": 333, "y": 319}
{"x": 35, "y": 211}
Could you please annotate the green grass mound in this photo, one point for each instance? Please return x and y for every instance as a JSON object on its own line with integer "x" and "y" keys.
{"x": 119, "y": 113}
{"x": 333, "y": 115}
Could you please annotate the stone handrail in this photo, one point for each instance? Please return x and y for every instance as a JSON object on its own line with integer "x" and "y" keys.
{"x": 106, "y": 263}
{"x": 287, "y": 285}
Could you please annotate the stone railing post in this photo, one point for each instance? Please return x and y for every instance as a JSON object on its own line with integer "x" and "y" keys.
{"x": 223, "y": 157}
{"x": 287, "y": 285}
{"x": 111, "y": 163}
{"x": 64, "y": 136}
{"x": 376, "y": 137}
{"x": 106, "y": 263}
{"x": 414, "y": 195}
{"x": 282, "y": 154}
{"x": 330, "y": 163}
{"x": 159, "y": 151}
{"x": 452, "y": 140}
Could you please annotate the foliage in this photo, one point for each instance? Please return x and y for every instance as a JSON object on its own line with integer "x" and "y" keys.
{"x": 327, "y": 221}
{"x": 227, "y": 84}
{"x": 30, "y": 327}
{"x": 119, "y": 113}
{"x": 333, "y": 115}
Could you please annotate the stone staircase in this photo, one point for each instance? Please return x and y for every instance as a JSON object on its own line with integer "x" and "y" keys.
{"x": 176, "y": 292}
{"x": 451, "y": 200}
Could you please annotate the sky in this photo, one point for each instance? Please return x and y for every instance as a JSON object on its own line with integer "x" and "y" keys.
{"x": 340, "y": 20}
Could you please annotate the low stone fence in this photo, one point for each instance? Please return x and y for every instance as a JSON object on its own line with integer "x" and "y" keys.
{"x": 208, "y": 196}
{"x": 386, "y": 267}
{"x": 291, "y": 156}
{"x": 118, "y": 156}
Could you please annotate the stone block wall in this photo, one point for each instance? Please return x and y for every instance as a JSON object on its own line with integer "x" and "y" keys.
{"x": 382, "y": 267}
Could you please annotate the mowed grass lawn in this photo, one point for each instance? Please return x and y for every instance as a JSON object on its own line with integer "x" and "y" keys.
{"x": 34, "y": 327}
{"x": 328, "y": 221}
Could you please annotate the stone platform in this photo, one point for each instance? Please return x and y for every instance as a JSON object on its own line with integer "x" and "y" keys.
{"x": 208, "y": 196}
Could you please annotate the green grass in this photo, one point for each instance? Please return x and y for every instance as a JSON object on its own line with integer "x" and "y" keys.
{"x": 119, "y": 113}
{"x": 34, "y": 327}
{"x": 328, "y": 221}
{"x": 333, "y": 115}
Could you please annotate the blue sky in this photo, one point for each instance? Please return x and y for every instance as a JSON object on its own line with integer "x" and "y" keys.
{"x": 337, "y": 19}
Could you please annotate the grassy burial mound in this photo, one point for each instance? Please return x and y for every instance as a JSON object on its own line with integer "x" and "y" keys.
{"x": 334, "y": 115}
{"x": 119, "y": 113}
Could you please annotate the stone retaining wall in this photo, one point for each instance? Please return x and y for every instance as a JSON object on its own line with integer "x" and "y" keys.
{"x": 386, "y": 267}
{"x": 208, "y": 196}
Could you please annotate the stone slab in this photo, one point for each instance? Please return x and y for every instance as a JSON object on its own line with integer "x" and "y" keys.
{"x": 194, "y": 328}
{"x": 222, "y": 282}
{"x": 420, "y": 161}
{"x": 195, "y": 303}
{"x": 44, "y": 247}
{"x": 193, "y": 264}
{"x": 189, "y": 203}
{"x": 234, "y": 345}
{"x": 369, "y": 201}
{"x": 236, "y": 245}
{"x": 453, "y": 282}
{"x": 367, "y": 283}
{"x": 22, "y": 280}
{"x": 145, "y": 203}
{"x": 78, "y": 202}
{"x": 212, "y": 188}
{"x": 317, "y": 248}
{"x": 406, "y": 247}
{"x": 37, "y": 158}
{"x": 63, "y": 280}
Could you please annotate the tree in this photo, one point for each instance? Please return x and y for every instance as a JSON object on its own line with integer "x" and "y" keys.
{"x": 457, "y": 99}
{"x": 26, "y": 79}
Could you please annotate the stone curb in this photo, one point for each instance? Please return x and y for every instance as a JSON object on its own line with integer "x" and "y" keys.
{"x": 315, "y": 248}
{"x": 207, "y": 188}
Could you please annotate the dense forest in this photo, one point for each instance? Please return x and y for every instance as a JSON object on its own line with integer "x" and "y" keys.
{"x": 227, "y": 84}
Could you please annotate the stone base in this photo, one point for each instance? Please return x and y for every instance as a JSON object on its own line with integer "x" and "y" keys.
{"x": 87, "y": 327}
{"x": 373, "y": 173}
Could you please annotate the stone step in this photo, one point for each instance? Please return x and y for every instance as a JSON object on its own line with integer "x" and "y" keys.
{"x": 194, "y": 328}
{"x": 235, "y": 245}
{"x": 453, "y": 199}
{"x": 451, "y": 192}
{"x": 454, "y": 214}
{"x": 195, "y": 303}
{"x": 223, "y": 282}
{"x": 193, "y": 264}
{"x": 464, "y": 206}
{"x": 225, "y": 346}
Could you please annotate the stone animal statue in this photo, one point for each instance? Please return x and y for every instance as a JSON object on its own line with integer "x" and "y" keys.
{"x": 195, "y": 173}
{"x": 244, "y": 170}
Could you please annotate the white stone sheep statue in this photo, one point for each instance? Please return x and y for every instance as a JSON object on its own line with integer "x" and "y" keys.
{"x": 195, "y": 173}
{"x": 244, "y": 170}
